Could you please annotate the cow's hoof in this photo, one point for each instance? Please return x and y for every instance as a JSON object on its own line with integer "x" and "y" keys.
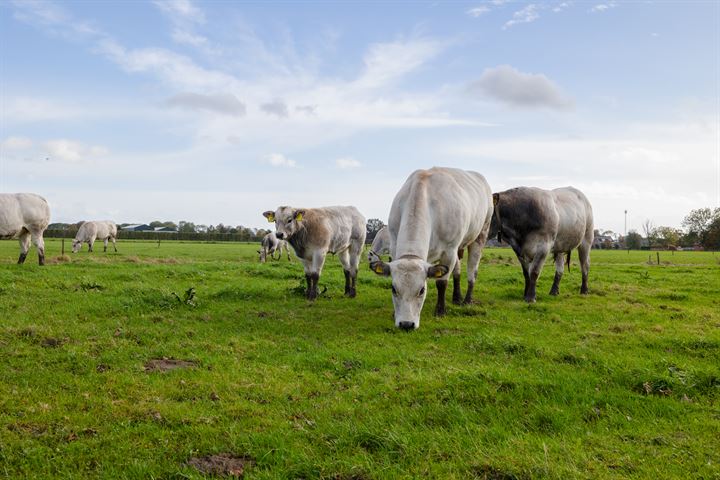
{"x": 584, "y": 291}
{"x": 351, "y": 293}
{"x": 457, "y": 301}
{"x": 440, "y": 312}
{"x": 529, "y": 300}
{"x": 554, "y": 292}
{"x": 469, "y": 301}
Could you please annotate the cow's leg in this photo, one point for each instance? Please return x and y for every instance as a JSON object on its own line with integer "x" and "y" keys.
{"x": 526, "y": 275}
{"x": 318, "y": 261}
{"x": 356, "y": 253}
{"x": 559, "y": 269}
{"x": 105, "y": 242}
{"x": 114, "y": 246}
{"x": 534, "y": 270}
{"x": 474, "y": 254}
{"x": 440, "y": 306}
{"x": 90, "y": 244}
{"x": 344, "y": 258}
{"x": 287, "y": 252}
{"x": 449, "y": 259}
{"x": 37, "y": 239}
{"x": 457, "y": 292}
{"x": 24, "y": 239}
{"x": 584, "y": 254}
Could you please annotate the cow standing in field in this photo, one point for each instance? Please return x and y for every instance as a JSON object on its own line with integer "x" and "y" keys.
{"x": 436, "y": 213}
{"x": 536, "y": 222}
{"x": 271, "y": 244}
{"x": 315, "y": 232}
{"x": 380, "y": 245}
{"x": 24, "y": 216}
{"x": 95, "y": 230}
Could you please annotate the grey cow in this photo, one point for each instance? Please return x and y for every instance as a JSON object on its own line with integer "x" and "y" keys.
{"x": 536, "y": 222}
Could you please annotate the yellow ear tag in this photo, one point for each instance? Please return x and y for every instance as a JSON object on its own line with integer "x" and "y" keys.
{"x": 298, "y": 217}
{"x": 271, "y": 218}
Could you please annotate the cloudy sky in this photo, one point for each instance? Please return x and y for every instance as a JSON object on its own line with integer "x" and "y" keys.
{"x": 216, "y": 111}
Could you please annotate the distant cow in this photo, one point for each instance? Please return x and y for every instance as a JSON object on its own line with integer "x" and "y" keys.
{"x": 24, "y": 216}
{"x": 315, "y": 232}
{"x": 271, "y": 244}
{"x": 380, "y": 245}
{"x": 95, "y": 230}
{"x": 536, "y": 222}
{"x": 436, "y": 214}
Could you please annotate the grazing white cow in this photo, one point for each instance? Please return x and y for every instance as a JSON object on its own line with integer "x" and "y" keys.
{"x": 90, "y": 231}
{"x": 536, "y": 222}
{"x": 24, "y": 216}
{"x": 315, "y": 232}
{"x": 380, "y": 245}
{"x": 271, "y": 244}
{"x": 436, "y": 213}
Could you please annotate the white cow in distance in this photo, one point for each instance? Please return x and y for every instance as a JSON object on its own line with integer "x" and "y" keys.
{"x": 436, "y": 213}
{"x": 271, "y": 244}
{"x": 24, "y": 216}
{"x": 380, "y": 245}
{"x": 315, "y": 232}
{"x": 95, "y": 230}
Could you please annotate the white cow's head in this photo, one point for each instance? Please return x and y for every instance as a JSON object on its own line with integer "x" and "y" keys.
{"x": 76, "y": 246}
{"x": 409, "y": 287}
{"x": 287, "y": 221}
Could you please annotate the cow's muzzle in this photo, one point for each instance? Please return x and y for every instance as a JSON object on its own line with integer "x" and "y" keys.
{"x": 406, "y": 325}
{"x": 279, "y": 235}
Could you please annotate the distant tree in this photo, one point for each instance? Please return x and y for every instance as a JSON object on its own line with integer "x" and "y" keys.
{"x": 186, "y": 227}
{"x": 201, "y": 228}
{"x": 649, "y": 229}
{"x": 698, "y": 223}
{"x": 221, "y": 228}
{"x": 374, "y": 225}
{"x": 667, "y": 236}
{"x": 633, "y": 240}
{"x": 156, "y": 224}
{"x": 711, "y": 241}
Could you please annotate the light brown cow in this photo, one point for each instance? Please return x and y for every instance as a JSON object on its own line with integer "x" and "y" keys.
{"x": 315, "y": 232}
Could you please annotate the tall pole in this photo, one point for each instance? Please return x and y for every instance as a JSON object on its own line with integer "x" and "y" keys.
{"x": 626, "y": 223}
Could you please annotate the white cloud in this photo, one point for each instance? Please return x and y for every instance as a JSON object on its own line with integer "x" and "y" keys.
{"x": 526, "y": 15}
{"x": 347, "y": 163}
{"x": 181, "y": 9}
{"x": 603, "y": 7}
{"x": 478, "y": 11}
{"x": 225, "y": 103}
{"x": 561, "y": 6}
{"x": 388, "y": 62}
{"x": 16, "y": 143}
{"x": 279, "y": 160}
{"x": 508, "y": 85}
{"x": 73, "y": 152}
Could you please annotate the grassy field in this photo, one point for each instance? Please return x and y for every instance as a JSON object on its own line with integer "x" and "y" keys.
{"x": 622, "y": 383}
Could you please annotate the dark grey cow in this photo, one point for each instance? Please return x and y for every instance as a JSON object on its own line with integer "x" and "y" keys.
{"x": 536, "y": 222}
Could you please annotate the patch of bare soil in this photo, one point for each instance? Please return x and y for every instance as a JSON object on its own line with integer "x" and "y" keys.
{"x": 165, "y": 364}
{"x": 223, "y": 464}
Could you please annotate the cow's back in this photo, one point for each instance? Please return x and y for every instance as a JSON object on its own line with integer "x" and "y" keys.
{"x": 22, "y": 210}
{"x": 458, "y": 204}
{"x": 342, "y": 224}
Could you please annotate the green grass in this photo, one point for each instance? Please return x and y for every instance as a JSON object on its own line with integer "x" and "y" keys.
{"x": 624, "y": 382}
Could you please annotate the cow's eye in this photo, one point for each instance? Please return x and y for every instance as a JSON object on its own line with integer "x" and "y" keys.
{"x": 422, "y": 292}
{"x": 289, "y": 221}
{"x": 393, "y": 290}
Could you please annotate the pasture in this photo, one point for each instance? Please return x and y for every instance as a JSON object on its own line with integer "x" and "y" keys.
{"x": 624, "y": 382}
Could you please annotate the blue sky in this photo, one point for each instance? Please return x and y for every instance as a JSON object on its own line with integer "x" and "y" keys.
{"x": 216, "y": 111}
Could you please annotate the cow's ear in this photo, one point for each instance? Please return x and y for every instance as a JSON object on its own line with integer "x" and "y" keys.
{"x": 299, "y": 215}
{"x": 496, "y": 199}
{"x": 270, "y": 215}
{"x": 437, "y": 271}
{"x": 381, "y": 268}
